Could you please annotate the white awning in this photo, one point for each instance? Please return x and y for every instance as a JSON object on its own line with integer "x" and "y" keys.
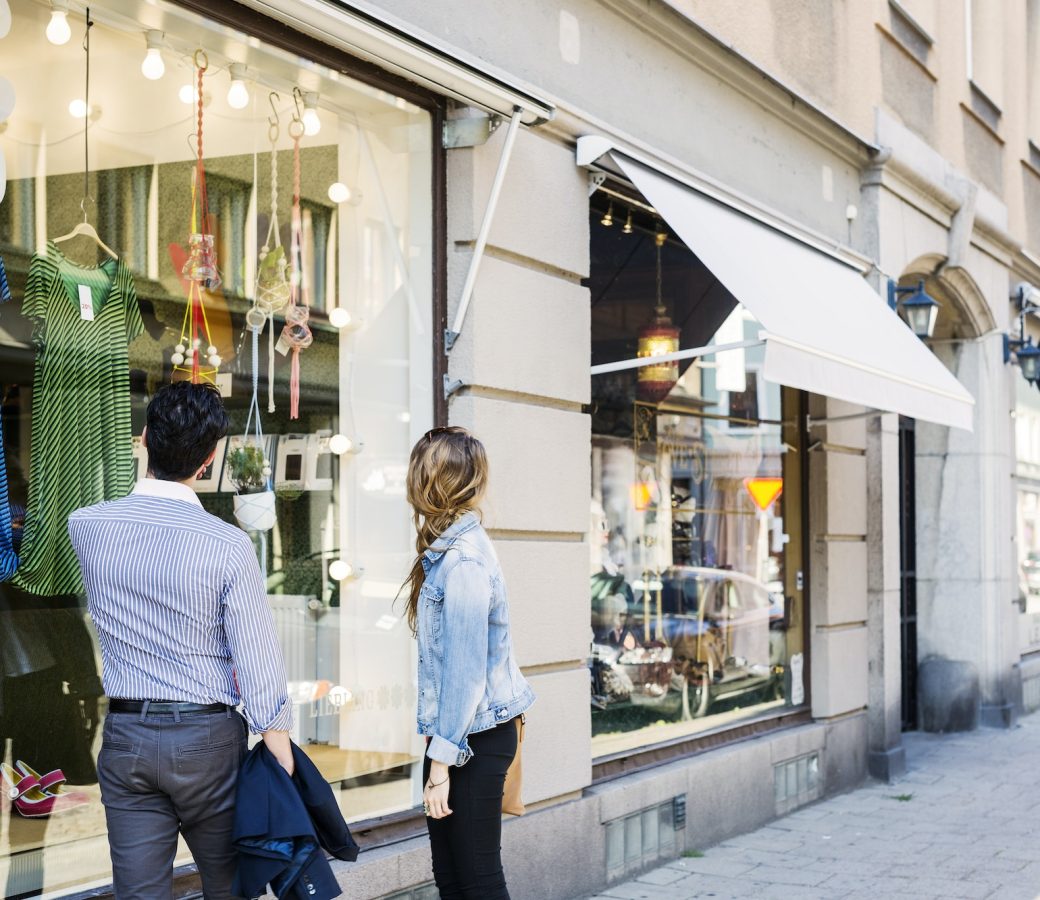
{"x": 826, "y": 330}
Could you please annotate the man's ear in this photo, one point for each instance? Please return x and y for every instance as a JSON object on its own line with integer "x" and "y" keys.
{"x": 144, "y": 437}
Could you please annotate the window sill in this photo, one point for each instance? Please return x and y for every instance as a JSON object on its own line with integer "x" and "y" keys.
{"x": 607, "y": 768}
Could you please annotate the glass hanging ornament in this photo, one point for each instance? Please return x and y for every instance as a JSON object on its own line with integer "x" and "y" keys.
{"x": 296, "y": 335}
{"x": 195, "y": 353}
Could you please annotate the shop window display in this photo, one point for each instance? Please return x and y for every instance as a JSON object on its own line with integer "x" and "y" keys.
{"x": 335, "y": 541}
{"x": 696, "y": 553}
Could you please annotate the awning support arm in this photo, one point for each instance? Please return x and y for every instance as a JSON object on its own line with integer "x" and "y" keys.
{"x": 641, "y": 361}
{"x": 810, "y": 422}
{"x": 451, "y": 335}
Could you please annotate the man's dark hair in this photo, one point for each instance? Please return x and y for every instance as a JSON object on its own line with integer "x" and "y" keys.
{"x": 185, "y": 421}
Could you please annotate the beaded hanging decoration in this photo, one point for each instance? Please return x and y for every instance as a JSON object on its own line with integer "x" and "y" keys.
{"x": 296, "y": 335}
{"x": 200, "y": 269}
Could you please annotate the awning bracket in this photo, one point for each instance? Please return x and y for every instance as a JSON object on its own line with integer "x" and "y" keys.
{"x": 596, "y": 181}
{"x": 470, "y": 131}
{"x": 452, "y": 386}
{"x": 452, "y": 334}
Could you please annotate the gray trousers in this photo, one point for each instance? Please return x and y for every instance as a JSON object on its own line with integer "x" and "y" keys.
{"x": 161, "y": 776}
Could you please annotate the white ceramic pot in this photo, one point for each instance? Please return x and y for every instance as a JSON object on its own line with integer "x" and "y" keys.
{"x": 255, "y": 512}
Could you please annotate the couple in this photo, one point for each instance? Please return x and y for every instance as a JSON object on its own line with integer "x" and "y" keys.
{"x": 186, "y": 635}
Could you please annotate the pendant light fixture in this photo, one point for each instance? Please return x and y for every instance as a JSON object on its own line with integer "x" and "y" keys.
{"x": 58, "y": 30}
{"x": 238, "y": 93}
{"x": 608, "y": 216}
{"x": 152, "y": 66}
{"x": 311, "y": 122}
{"x": 659, "y": 338}
{"x": 627, "y": 227}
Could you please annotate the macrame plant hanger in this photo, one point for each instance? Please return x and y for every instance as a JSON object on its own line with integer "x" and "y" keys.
{"x": 255, "y": 511}
{"x": 296, "y": 335}
{"x": 273, "y": 290}
{"x": 200, "y": 269}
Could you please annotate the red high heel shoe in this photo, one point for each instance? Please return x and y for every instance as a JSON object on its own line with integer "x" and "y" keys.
{"x": 25, "y": 793}
{"x": 51, "y": 784}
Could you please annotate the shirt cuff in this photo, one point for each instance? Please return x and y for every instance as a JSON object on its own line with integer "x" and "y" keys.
{"x": 444, "y": 751}
{"x": 282, "y": 720}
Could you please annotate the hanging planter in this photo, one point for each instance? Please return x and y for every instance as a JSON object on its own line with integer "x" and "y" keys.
{"x": 251, "y": 475}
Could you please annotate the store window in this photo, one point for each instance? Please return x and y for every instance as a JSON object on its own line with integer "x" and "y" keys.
{"x": 1027, "y": 470}
{"x": 696, "y": 569}
{"x": 340, "y": 542}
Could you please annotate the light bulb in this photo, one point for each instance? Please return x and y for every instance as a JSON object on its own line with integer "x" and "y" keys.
{"x": 311, "y": 122}
{"x": 58, "y": 30}
{"x": 78, "y": 109}
{"x": 238, "y": 93}
{"x": 187, "y": 94}
{"x": 152, "y": 66}
{"x": 339, "y": 317}
{"x": 340, "y": 444}
{"x": 340, "y": 570}
{"x": 338, "y": 191}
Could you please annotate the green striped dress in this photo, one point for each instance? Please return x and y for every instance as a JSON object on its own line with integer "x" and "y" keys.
{"x": 80, "y": 451}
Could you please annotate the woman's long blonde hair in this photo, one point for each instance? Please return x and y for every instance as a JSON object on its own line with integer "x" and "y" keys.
{"x": 447, "y": 477}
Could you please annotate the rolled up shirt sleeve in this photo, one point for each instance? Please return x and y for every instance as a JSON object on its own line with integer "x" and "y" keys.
{"x": 253, "y": 644}
{"x": 464, "y": 638}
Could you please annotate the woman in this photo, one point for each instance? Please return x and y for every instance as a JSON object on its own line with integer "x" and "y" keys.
{"x": 471, "y": 691}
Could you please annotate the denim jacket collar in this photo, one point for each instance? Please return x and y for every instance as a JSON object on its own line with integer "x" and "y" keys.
{"x": 459, "y": 527}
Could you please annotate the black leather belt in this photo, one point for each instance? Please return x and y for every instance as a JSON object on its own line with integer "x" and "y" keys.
{"x": 168, "y": 707}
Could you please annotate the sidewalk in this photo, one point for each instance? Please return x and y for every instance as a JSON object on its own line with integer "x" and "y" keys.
{"x": 963, "y": 822}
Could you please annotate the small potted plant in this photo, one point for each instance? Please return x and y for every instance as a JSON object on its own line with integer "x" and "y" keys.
{"x": 251, "y": 475}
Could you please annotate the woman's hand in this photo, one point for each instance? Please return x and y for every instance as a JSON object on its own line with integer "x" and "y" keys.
{"x": 435, "y": 793}
{"x": 281, "y": 748}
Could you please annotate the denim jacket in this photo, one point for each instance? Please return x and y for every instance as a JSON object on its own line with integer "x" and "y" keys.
{"x": 468, "y": 678}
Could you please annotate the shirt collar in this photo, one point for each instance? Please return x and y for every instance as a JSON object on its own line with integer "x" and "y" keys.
{"x": 460, "y": 526}
{"x": 168, "y": 490}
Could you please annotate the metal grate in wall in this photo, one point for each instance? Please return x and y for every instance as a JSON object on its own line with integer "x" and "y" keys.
{"x": 1031, "y": 694}
{"x": 427, "y": 891}
{"x": 642, "y": 838}
{"x": 796, "y": 782}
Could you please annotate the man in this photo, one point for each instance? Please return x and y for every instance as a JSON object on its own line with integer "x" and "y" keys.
{"x": 186, "y": 634}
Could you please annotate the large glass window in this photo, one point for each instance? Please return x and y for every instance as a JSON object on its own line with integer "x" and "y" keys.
{"x": 696, "y": 572}
{"x": 341, "y": 541}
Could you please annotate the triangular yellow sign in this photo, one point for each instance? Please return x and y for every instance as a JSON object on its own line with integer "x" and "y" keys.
{"x": 764, "y": 491}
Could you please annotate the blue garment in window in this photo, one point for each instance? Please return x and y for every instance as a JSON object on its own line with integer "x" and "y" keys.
{"x": 8, "y": 558}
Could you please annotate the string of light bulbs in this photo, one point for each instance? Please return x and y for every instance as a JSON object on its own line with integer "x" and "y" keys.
{"x": 153, "y": 67}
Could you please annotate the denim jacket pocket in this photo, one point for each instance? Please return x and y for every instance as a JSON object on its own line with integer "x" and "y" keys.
{"x": 431, "y": 612}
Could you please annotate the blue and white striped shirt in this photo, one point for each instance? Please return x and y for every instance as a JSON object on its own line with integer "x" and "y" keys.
{"x": 179, "y": 604}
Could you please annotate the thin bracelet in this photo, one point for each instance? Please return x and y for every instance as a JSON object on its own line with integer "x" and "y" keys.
{"x": 430, "y": 784}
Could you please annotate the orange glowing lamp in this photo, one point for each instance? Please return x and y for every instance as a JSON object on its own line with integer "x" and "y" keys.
{"x": 764, "y": 491}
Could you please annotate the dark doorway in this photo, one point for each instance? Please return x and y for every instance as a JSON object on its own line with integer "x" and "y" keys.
{"x": 908, "y": 572}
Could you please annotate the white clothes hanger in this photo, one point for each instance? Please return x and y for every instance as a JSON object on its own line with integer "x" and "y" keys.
{"x": 85, "y": 229}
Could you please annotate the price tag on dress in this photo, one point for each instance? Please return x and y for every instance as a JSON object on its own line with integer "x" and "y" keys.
{"x": 86, "y": 303}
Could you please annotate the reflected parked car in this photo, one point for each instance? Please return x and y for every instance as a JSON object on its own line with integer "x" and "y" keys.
{"x": 694, "y": 637}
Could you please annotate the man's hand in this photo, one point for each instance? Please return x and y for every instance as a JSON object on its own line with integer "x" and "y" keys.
{"x": 435, "y": 793}
{"x": 281, "y": 748}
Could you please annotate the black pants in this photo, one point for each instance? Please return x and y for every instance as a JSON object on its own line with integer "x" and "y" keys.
{"x": 467, "y": 845}
{"x": 160, "y": 776}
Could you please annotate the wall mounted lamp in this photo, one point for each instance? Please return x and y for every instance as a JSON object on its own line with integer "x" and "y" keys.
{"x": 1022, "y": 348}
{"x": 918, "y": 310}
